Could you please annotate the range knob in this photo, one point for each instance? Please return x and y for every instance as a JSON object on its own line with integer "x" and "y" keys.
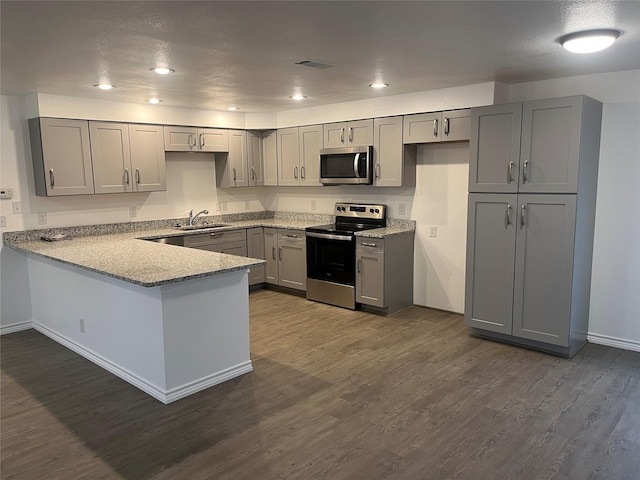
{"x": 377, "y": 210}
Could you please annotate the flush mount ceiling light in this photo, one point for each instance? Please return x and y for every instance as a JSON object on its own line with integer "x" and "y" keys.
{"x": 154, "y": 100}
{"x": 232, "y": 109}
{"x": 297, "y": 96}
{"x": 589, "y": 41}
{"x": 379, "y": 85}
{"x": 163, "y": 70}
{"x": 104, "y": 86}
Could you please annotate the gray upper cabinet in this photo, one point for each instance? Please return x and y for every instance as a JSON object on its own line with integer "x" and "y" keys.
{"x": 255, "y": 158}
{"x": 270, "y": 157}
{"x": 231, "y": 168}
{"x": 299, "y": 155}
{"x": 347, "y": 134}
{"x": 531, "y": 147}
{"x": 192, "y": 139}
{"x": 288, "y": 145}
{"x": 147, "y": 158}
{"x": 448, "y": 126}
{"x": 111, "y": 156}
{"x": 394, "y": 163}
{"x": 61, "y": 156}
{"x": 310, "y": 143}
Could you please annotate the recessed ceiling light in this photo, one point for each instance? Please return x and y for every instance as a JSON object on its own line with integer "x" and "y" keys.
{"x": 589, "y": 41}
{"x": 233, "y": 109}
{"x": 297, "y": 96}
{"x": 154, "y": 100}
{"x": 104, "y": 86}
{"x": 379, "y": 85}
{"x": 163, "y": 70}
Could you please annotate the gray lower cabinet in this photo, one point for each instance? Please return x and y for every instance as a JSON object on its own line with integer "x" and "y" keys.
{"x": 255, "y": 249}
{"x": 286, "y": 252}
{"x": 232, "y": 242}
{"x": 384, "y": 271}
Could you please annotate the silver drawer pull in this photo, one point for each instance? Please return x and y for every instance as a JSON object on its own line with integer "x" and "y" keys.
{"x": 435, "y": 127}
{"x": 446, "y": 126}
{"x": 508, "y": 214}
{"x": 342, "y": 135}
{"x": 291, "y": 235}
{"x": 525, "y": 172}
{"x": 137, "y": 175}
{"x": 369, "y": 244}
{"x": 52, "y": 178}
{"x": 510, "y": 173}
{"x": 126, "y": 176}
{"x": 273, "y": 252}
{"x": 359, "y": 265}
{"x": 523, "y": 212}
{"x": 214, "y": 234}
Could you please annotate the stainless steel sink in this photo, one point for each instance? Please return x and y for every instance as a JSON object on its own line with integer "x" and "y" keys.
{"x": 200, "y": 226}
{"x": 179, "y": 240}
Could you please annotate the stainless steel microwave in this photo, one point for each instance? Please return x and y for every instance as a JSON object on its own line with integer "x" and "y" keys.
{"x": 346, "y": 166}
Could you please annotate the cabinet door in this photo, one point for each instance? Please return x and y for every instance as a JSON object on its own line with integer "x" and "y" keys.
{"x": 456, "y": 125}
{"x": 422, "y": 128}
{"x": 255, "y": 249}
{"x": 544, "y": 266}
{"x": 491, "y": 251}
{"x": 370, "y": 277}
{"x": 388, "y": 152}
{"x": 213, "y": 139}
{"x": 180, "y": 139}
{"x": 147, "y": 158}
{"x": 494, "y": 148}
{"x": 111, "y": 157}
{"x": 271, "y": 254}
{"x": 270, "y": 157}
{"x": 254, "y": 158}
{"x": 310, "y": 138}
{"x": 334, "y": 135}
{"x": 292, "y": 259}
{"x": 237, "y": 159}
{"x": 360, "y": 132}
{"x": 288, "y": 156}
{"x": 61, "y": 156}
{"x": 550, "y": 145}
{"x": 233, "y": 248}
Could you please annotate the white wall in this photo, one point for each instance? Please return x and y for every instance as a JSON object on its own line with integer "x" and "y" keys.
{"x": 615, "y": 286}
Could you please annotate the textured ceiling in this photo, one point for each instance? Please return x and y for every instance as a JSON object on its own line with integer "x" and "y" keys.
{"x": 243, "y": 53}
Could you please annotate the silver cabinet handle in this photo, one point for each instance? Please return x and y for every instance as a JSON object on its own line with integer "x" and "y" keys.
{"x": 190, "y": 140}
{"x": 369, "y": 244}
{"x": 194, "y": 135}
{"x": 253, "y": 173}
{"x": 435, "y": 127}
{"x": 234, "y": 175}
{"x": 523, "y": 212}
{"x": 302, "y": 173}
{"x": 280, "y": 253}
{"x": 525, "y": 173}
{"x": 508, "y": 214}
{"x": 202, "y": 140}
{"x": 52, "y": 178}
{"x": 214, "y": 234}
{"x": 273, "y": 252}
{"x": 126, "y": 176}
{"x": 289, "y": 235}
{"x": 510, "y": 172}
{"x": 137, "y": 175}
{"x": 342, "y": 135}
{"x": 446, "y": 126}
{"x": 350, "y": 135}
{"x": 377, "y": 170}
{"x": 295, "y": 172}
{"x": 359, "y": 265}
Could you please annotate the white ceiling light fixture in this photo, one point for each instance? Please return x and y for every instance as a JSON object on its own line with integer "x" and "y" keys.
{"x": 379, "y": 85}
{"x": 163, "y": 70}
{"x": 232, "y": 109}
{"x": 589, "y": 41}
{"x": 297, "y": 97}
{"x": 104, "y": 86}
{"x": 154, "y": 100}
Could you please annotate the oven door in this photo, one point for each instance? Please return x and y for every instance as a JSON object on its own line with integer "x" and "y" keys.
{"x": 331, "y": 257}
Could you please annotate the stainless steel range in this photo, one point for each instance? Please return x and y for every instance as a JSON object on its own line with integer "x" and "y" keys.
{"x": 331, "y": 253}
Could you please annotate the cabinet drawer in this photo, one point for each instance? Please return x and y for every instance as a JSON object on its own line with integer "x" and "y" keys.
{"x": 370, "y": 244}
{"x": 214, "y": 238}
{"x": 291, "y": 236}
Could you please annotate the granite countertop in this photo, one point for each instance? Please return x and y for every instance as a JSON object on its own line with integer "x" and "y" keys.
{"x": 121, "y": 251}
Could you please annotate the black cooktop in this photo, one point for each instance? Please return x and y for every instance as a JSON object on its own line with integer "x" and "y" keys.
{"x": 344, "y": 228}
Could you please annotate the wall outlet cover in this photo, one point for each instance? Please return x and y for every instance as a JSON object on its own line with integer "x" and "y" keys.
{"x": 16, "y": 207}
{"x": 3, "y": 221}
{"x": 42, "y": 218}
{"x": 401, "y": 209}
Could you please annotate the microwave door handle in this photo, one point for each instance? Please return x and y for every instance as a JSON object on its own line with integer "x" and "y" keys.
{"x": 355, "y": 165}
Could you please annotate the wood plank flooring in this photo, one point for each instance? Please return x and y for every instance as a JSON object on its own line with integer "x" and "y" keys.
{"x": 334, "y": 394}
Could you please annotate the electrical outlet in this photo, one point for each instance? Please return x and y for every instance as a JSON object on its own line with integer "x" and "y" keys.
{"x": 219, "y": 206}
{"x": 224, "y": 206}
{"x": 247, "y": 205}
{"x": 82, "y": 325}
{"x": 433, "y": 230}
{"x": 3, "y": 221}
{"x": 16, "y": 207}
{"x": 6, "y": 192}
{"x": 133, "y": 212}
{"x": 42, "y": 218}
{"x": 401, "y": 209}
{"x": 313, "y": 204}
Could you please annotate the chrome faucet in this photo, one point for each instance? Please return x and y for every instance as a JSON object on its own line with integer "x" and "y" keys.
{"x": 193, "y": 217}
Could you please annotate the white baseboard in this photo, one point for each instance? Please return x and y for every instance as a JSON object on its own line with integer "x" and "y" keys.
{"x": 614, "y": 342}
{"x": 16, "y": 327}
{"x": 139, "y": 382}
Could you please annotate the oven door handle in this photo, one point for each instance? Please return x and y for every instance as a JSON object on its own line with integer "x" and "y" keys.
{"x": 330, "y": 236}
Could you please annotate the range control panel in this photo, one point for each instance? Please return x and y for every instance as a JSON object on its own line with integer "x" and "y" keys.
{"x": 360, "y": 210}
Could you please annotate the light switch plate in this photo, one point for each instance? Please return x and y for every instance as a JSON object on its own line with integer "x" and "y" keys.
{"x": 16, "y": 207}
{"x": 3, "y": 221}
{"x": 433, "y": 230}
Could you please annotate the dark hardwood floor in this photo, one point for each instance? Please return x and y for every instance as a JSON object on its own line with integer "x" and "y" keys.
{"x": 334, "y": 394}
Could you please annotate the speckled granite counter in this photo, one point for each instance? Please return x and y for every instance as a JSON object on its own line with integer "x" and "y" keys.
{"x": 119, "y": 250}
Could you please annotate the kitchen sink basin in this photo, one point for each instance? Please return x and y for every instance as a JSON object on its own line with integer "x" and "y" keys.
{"x": 200, "y": 226}
{"x": 179, "y": 241}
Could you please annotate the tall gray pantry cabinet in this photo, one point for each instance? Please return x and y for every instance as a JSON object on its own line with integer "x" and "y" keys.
{"x": 532, "y": 193}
